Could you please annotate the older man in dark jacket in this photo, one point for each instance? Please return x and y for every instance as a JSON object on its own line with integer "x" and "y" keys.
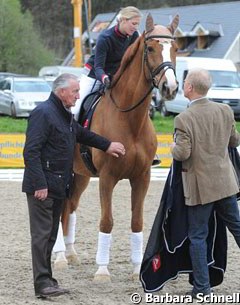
{"x": 48, "y": 155}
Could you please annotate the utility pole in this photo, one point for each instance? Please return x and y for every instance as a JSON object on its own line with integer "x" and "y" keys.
{"x": 77, "y": 32}
{"x": 87, "y": 8}
{"x": 89, "y": 11}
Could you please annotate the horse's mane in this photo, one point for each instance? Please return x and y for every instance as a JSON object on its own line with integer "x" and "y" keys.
{"x": 127, "y": 57}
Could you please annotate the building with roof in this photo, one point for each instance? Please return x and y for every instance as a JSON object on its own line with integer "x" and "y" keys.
{"x": 206, "y": 30}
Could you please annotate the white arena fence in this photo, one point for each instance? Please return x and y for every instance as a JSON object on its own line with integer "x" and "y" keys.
{"x": 17, "y": 174}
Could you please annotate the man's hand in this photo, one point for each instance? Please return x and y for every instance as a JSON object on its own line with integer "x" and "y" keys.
{"x": 116, "y": 149}
{"x": 41, "y": 194}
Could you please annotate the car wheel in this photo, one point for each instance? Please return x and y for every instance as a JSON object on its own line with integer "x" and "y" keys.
{"x": 163, "y": 110}
{"x": 13, "y": 111}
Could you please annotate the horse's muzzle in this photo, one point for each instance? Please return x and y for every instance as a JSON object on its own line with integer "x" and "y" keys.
{"x": 168, "y": 93}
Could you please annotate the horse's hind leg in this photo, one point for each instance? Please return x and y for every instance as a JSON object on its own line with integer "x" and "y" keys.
{"x": 139, "y": 190}
{"x": 64, "y": 246}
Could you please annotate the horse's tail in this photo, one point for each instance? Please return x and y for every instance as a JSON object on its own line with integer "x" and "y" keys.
{"x": 70, "y": 205}
{"x": 67, "y": 210}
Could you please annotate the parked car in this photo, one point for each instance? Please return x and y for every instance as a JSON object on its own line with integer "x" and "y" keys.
{"x": 6, "y": 74}
{"x": 20, "y": 95}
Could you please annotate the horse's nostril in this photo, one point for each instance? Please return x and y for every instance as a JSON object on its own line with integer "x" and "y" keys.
{"x": 167, "y": 92}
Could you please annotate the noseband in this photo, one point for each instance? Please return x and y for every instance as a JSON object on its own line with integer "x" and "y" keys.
{"x": 162, "y": 67}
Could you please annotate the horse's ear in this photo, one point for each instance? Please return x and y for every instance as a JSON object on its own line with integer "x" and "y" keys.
{"x": 149, "y": 23}
{"x": 174, "y": 24}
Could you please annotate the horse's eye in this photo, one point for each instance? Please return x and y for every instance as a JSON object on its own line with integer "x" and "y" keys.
{"x": 150, "y": 49}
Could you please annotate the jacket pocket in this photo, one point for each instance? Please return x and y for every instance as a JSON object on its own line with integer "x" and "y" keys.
{"x": 56, "y": 183}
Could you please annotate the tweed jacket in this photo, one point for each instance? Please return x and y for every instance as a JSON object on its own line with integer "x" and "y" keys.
{"x": 203, "y": 133}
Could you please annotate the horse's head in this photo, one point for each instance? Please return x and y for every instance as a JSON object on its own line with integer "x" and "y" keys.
{"x": 160, "y": 56}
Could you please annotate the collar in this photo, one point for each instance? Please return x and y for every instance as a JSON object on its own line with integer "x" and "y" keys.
{"x": 118, "y": 33}
{"x": 59, "y": 104}
{"x": 197, "y": 99}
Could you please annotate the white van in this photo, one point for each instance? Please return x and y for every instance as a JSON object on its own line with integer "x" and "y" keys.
{"x": 55, "y": 71}
{"x": 50, "y": 73}
{"x": 225, "y": 88}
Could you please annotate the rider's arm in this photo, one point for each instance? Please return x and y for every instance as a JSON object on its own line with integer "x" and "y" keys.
{"x": 101, "y": 51}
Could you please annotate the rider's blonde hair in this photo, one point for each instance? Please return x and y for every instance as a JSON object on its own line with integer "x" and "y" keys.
{"x": 128, "y": 12}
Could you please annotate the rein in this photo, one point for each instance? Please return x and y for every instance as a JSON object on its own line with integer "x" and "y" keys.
{"x": 131, "y": 107}
{"x": 163, "y": 66}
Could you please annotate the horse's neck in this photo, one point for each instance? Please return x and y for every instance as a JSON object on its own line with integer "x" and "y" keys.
{"x": 129, "y": 92}
{"x": 132, "y": 86}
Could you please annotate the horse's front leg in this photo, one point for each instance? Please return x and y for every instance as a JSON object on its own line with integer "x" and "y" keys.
{"x": 139, "y": 190}
{"x": 64, "y": 245}
{"x": 106, "y": 186}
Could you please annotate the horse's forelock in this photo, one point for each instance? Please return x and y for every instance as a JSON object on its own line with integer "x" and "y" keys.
{"x": 160, "y": 30}
{"x": 128, "y": 56}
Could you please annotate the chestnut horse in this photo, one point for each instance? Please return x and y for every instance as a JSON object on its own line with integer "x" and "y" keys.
{"x": 122, "y": 115}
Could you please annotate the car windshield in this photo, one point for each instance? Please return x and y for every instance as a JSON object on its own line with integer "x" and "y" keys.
{"x": 225, "y": 79}
{"x": 31, "y": 86}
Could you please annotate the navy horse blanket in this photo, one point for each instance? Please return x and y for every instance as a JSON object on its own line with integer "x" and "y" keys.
{"x": 167, "y": 250}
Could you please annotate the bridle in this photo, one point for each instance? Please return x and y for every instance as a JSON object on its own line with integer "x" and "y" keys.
{"x": 162, "y": 67}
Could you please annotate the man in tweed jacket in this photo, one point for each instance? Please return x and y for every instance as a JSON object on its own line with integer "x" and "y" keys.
{"x": 203, "y": 133}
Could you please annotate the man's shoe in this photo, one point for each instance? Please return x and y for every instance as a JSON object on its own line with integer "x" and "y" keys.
{"x": 195, "y": 295}
{"x": 65, "y": 290}
{"x": 49, "y": 292}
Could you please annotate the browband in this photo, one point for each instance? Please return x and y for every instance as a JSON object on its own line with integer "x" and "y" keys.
{"x": 159, "y": 36}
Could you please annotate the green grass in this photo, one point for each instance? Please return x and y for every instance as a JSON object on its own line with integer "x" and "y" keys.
{"x": 165, "y": 125}
{"x": 10, "y": 125}
{"x": 162, "y": 125}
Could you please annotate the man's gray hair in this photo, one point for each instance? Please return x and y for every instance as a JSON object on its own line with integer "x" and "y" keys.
{"x": 62, "y": 81}
{"x": 200, "y": 79}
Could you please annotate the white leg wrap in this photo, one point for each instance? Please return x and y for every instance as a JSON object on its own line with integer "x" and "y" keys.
{"x": 70, "y": 238}
{"x": 103, "y": 251}
{"x": 136, "y": 247}
{"x": 59, "y": 245}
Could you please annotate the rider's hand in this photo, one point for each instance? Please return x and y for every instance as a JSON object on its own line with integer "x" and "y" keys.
{"x": 116, "y": 149}
{"x": 106, "y": 81}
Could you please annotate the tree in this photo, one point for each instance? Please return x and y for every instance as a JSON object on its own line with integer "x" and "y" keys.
{"x": 21, "y": 48}
{"x": 54, "y": 21}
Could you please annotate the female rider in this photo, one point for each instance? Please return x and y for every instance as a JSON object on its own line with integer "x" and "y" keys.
{"x": 110, "y": 48}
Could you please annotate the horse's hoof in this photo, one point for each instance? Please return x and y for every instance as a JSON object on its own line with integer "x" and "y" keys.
{"x": 136, "y": 271}
{"x": 102, "y": 278}
{"x": 60, "y": 265}
{"x": 135, "y": 277}
{"x": 73, "y": 260}
{"x": 102, "y": 275}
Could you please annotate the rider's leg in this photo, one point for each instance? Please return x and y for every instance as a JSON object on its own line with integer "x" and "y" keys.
{"x": 87, "y": 85}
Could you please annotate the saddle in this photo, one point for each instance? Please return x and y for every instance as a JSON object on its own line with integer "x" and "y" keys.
{"x": 85, "y": 117}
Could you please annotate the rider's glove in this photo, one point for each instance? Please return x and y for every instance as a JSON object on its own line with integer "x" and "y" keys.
{"x": 106, "y": 81}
